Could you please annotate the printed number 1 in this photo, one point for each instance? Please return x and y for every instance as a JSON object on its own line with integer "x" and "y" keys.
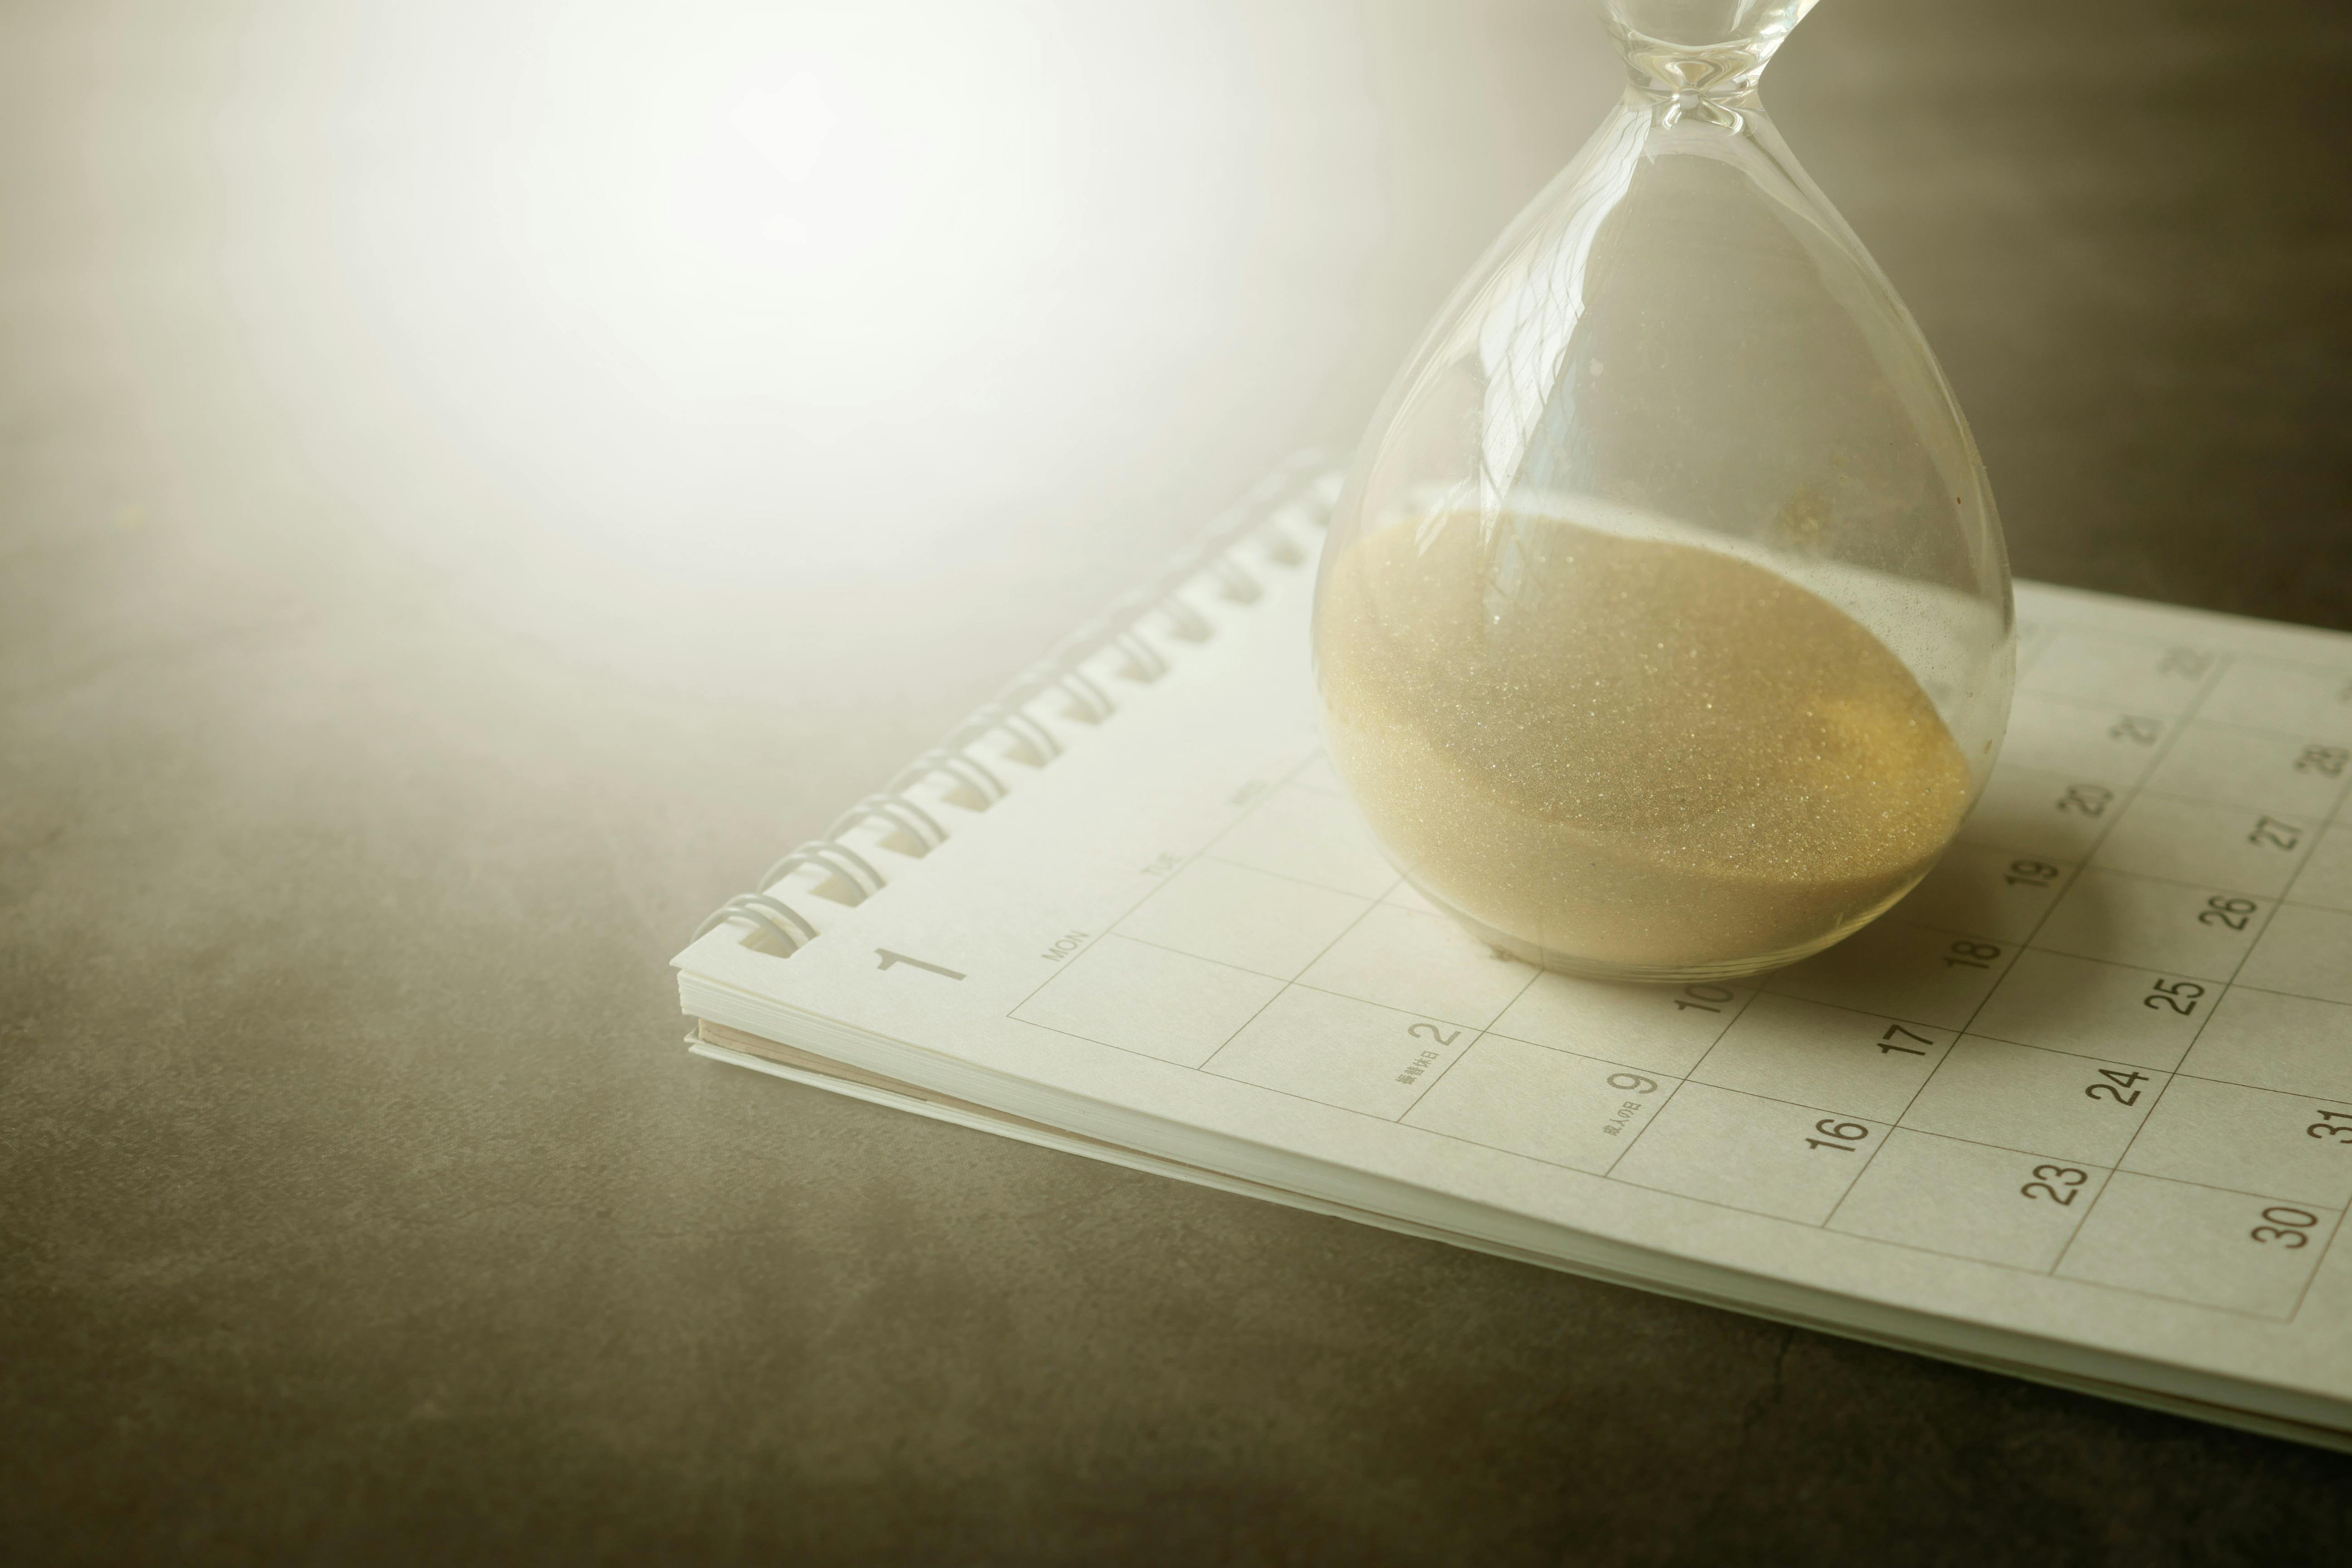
{"x": 889, "y": 958}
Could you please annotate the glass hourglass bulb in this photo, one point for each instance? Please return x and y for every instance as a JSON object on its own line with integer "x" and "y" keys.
{"x": 1664, "y": 631}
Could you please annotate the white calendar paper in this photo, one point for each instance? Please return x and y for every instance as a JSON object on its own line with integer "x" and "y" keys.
{"x": 2080, "y": 1106}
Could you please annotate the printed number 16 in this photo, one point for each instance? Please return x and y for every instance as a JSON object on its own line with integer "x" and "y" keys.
{"x": 1832, "y": 1129}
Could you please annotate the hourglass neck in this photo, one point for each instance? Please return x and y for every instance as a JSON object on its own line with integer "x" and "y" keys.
{"x": 1700, "y": 58}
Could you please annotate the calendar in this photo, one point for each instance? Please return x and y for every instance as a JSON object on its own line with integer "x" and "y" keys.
{"x": 2082, "y": 1100}
{"x": 2108, "y": 1039}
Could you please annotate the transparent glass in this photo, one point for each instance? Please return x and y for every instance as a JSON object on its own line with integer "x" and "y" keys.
{"x": 1664, "y": 631}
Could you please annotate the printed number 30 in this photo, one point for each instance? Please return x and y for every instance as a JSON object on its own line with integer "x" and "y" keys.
{"x": 2290, "y": 1228}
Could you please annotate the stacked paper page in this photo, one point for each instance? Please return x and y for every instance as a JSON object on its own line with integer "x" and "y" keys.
{"x": 2090, "y": 1084}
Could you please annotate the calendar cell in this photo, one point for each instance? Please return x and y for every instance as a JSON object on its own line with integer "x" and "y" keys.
{"x": 2252, "y": 1140}
{"x": 1549, "y": 1105}
{"x": 1424, "y": 964}
{"x": 2293, "y": 698}
{"x": 2326, "y": 879}
{"x": 2095, "y": 1009}
{"x": 2243, "y": 849}
{"x": 1743, "y": 1153}
{"x": 1914, "y": 973}
{"x": 2047, "y": 816}
{"x": 2237, "y": 766}
{"x": 1970, "y": 1200}
{"x": 1826, "y": 1058}
{"x": 1653, "y": 1027}
{"x": 2041, "y": 1102}
{"x": 1319, "y": 776}
{"x": 1981, "y": 891}
{"x": 2294, "y": 1044}
{"x": 1405, "y": 896}
{"x": 2303, "y": 951}
{"x": 2201, "y": 933}
{"x": 1149, "y": 1000}
{"x": 1251, "y": 920}
{"x": 1303, "y": 834}
{"x": 2032, "y": 636}
{"x": 1342, "y": 1052}
{"x": 2199, "y": 1244}
{"x": 2048, "y": 735}
{"x": 2131, "y": 677}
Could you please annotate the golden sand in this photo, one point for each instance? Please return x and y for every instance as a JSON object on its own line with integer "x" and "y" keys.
{"x": 1624, "y": 755}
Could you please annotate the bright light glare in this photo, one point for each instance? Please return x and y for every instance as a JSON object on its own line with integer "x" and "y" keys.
{"x": 637, "y": 257}
{"x": 757, "y": 288}
{"x": 811, "y": 210}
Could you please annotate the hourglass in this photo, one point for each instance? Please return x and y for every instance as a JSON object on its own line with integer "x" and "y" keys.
{"x": 1664, "y": 631}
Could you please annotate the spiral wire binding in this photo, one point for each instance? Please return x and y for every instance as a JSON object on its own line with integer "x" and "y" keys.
{"x": 1118, "y": 629}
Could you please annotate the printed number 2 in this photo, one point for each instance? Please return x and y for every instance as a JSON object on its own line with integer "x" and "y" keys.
{"x": 889, "y": 958}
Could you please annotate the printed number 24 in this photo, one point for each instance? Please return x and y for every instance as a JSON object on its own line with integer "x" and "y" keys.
{"x": 2118, "y": 1086}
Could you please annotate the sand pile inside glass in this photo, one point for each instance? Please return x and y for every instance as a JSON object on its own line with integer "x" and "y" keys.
{"x": 1624, "y": 754}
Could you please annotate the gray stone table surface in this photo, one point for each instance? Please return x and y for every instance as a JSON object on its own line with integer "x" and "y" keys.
{"x": 474, "y": 482}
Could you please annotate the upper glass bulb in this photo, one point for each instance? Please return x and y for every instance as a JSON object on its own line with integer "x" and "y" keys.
{"x": 1664, "y": 631}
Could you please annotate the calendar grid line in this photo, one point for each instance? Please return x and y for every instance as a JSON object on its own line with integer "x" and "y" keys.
{"x": 2333, "y": 1232}
{"x": 1961, "y": 1256}
{"x": 1920, "y": 1132}
{"x": 1463, "y": 1054}
{"x": 1302, "y": 881}
{"x": 2208, "y": 676}
{"x": 2158, "y": 770}
{"x": 1113, "y": 924}
{"x": 2335, "y": 818}
{"x": 1110, "y": 928}
{"x": 1803, "y": 1223}
{"x": 2188, "y": 717}
{"x": 2085, "y": 864}
{"x": 1734, "y": 1208}
{"x": 1643, "y": 1130}
{"x": 1327, "y": 947}
{"x": 2343, "y": 796}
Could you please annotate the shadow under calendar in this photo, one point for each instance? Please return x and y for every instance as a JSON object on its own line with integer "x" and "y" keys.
{"x": 2080, "y": 1106}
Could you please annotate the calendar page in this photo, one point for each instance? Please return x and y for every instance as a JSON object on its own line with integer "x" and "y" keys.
{"x": 2090, "y": 1084}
